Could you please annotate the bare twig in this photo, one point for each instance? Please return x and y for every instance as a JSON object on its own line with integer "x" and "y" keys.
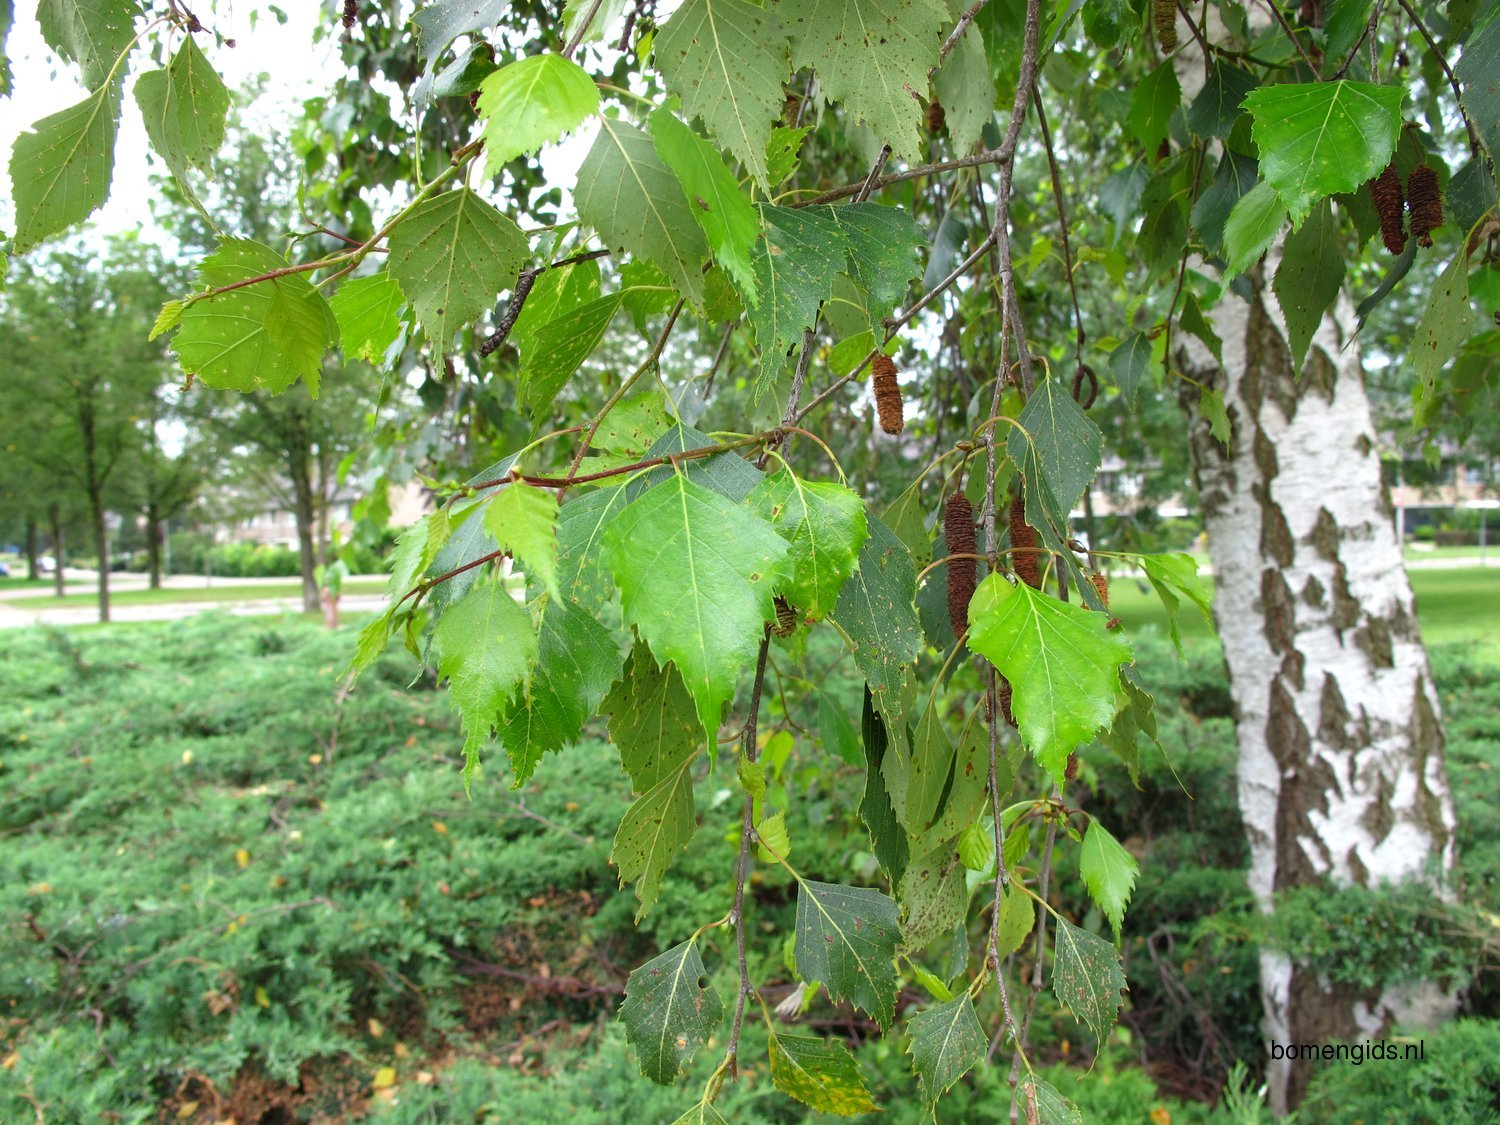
{"x": 1062, "y": 217}
{"x": 1458, "y": 98}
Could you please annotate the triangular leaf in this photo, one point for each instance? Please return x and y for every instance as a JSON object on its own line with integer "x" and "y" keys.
{"x": 884, "y": 253}
{"x": 258, "y": 337}
{"x": 1171, "y": 575}
{"x": 486, "y": 646}
{"x": 934, "y": 895}
{"x": 877, "y": 610}
{"x": 1109, "y": 872}
{"x": 1060, "y": 440}
{"x": 795, "y": 264}
{"x": 60, "y": 170}
{"x": 1156, "y": 98}
{"x": 820, "y": 1073}
{"x": 669, "y": 1012}
{"x": 876, "y": 809}
{"x": 531, "y": 102}
{"x": 1062, "y": 662}
{"x": 1217, "y": 106}
{"x": 696, "y": 574}
{"x": 633, "y": 200}
{"x": 825, "y": 525}
{"x": 1087, "y": 978}
{"x": 1040, "y": 1102}
{"x": 1252, "y": 226}
{"x": 91, "y": 33}
{"x": 581, "y": 523}
{"x": 967, "y": 94}
{"x": 654, "y": 829}
{"x": 946, "y": 1042}
{"x": 846, "y": 938}
{"x": 184, "y": 107}
{"x": 368, "y": 310}
{"x": 560, "y": 347}
{"x": 651, "y": 720}
{"x": 440, "y": 23}
{"x": 452, "y": 256}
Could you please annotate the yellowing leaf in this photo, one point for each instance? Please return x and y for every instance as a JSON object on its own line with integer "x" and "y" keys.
{"x": 242, "y": 857}
{"x": 384, "y": 1078}
{"x": 820, "y": 1073}
{"x": 262, "y": 998}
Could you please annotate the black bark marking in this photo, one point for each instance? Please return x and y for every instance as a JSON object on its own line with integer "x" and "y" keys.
{"x": 1280, "y": 610}
{"x": 1313, "y": 592}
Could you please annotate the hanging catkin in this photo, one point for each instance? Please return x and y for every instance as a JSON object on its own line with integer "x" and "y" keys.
{"x": 1023, "y": 557}
{"x": 958, "y": 530}
{"x": 1385, "y": 190}
{"x": 1101, "y": 583}
{"x": 936, "y": 117}
{"x": 1002, "y": 690}
{"x": 351, "y": 14}
{"x": 786, "y": 618}
{"x": 1425, "y": 200}
{"x": 1164, "y": 16}
{"x": 887, "y": 394}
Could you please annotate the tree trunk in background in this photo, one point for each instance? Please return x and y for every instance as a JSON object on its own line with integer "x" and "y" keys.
{"x": 55, "y": 515}
{"x": 1341, "y": 772}
{"x": 305, "y": 509}
{"x": 101, "y": 550}
{"x": 32, "y": 571}
{"x": 153, "y": 546}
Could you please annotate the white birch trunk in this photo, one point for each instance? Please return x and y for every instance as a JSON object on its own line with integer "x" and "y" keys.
{"x": 1340, "y": 743}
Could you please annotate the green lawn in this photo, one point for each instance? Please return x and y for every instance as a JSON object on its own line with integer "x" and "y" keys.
{"x": 1455, "y": 607}
{"x": 225, "y": 593}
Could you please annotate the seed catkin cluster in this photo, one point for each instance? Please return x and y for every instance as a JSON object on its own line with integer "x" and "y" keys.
{"x": 936, "y": 117}
{"x": 1003, "y": 691}
{"x": 351, "y": 14}
{"x": 1425, "y": 201}
{"x": 887, "y": 394}
{"x": 1023, "y": 557}
{"x": 786, "y": 618}
{"x": 1164, "y": 17}
{"x": 958, "y": 530}
{"x": 1385, "y": 190}
{"x": 1101, "y": 584}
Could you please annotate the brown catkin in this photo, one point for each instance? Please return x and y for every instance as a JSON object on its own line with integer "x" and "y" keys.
{"x": 1425, "y": 201}
{"x": 1002, "y": 690}
{"x": 1385, "y": 190}
{"x": 351, "y": 14}
{"x": 1164, "y": 17}
{"x": 936, "y": 117}
{"x": 786, "y": 618}
{"x": 1101, "y": 583}
{"x": 1023, "y": 557}
{"x": 958, "y": 530}
{"x": 887, "y": 394}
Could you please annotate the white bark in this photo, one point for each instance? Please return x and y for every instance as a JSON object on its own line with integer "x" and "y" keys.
{"x": 1340, "y": 746}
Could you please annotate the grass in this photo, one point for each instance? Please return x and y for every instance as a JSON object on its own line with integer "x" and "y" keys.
{"x": 1450, "y": 605}
{"x": 225, "y": 593}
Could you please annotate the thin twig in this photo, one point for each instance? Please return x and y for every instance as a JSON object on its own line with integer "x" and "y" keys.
{"x": 1291, "y": 34}
{"x": 1062, "y": 215}
{"x": 742, "y": 871}
{"x": 582, "y": 29}
{"x": 958, "y": 30}
{"x": 976, "y": 160}
{"x": 1458, "y": 97}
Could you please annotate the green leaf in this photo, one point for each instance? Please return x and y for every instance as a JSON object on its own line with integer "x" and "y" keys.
{"x": 873, "y": 57}
{"x": 531, "y": 102}
{"x": 559, "y": 349}
{"x": 1211, "y": 405}
{"x": 934, "y": 897}
{"x": 1193, "y": 322}
{"x": 60, "y": 170}
{"x": 877, "y": 611}
{"x": 930, "y": 770}
{"x": 555, "y": 293}
{"x": 876, "y": 809}
{"x": 486, "y": 646}
{"x": 946, "y": 1042}
{"x": 781, "y": 153}
{"x": 1445, "y": 325}
{"x": 727, "y": 473}
{"x": 820, "y": 1073}
{"x": 452, "y": 256}
{"x": 669, "y": 1012}
{"x": 967, "y": 786}
{"x": 729, "y": 222}
{"x": 795, "y": 264}
{"x": 1217, "y": 106}
{"x": 258, "y": 337}
{"x": 633, "y": 200}
{"x": 1344, "y": 26}
{"x": 727, "y": 61}
{"x": 368, "y": 311}
{"x": 372, "y": 641}
{"x": 1171, "y": 575}
{"x": 696, "y": 574}
{"x": 1251, "y": 228}
{"x": 825, "y": 525}
{"x": 605, "y": 24}
{"x": 775, "y": 842}
{"x": 1323, "y": 138}
{"x": 1064, "y": 444}
{"x": 184, "y": 107}
{"x": 1040, "y": 1102}
{"x": 523, "y": 520}
{"x": 1234, "y": 178}
{"x": 703, "y": 1113}
{"x": 438, "y": 25}
{"x": 166, "y": 320}
{"x": 1130, "y": 364}
{"x": 1062, "y": 662}
{"x": 91, "y": 33}
{"x": 1017, "y": 918}
{"x": 631, "y": 428}
{"x": 466, "y": 73}
{"x": 1479, "y": 73}
{"x": 581, "y": 523}
{"x": 655, "y": 828}
{"x": 1086, "y": 977}
{"x": 577, "y": 663}
{"x": 885, "y": 253}
{"x": 846, "y": 938}
{"x": 967, "y": 94}
{"x": 1109, "y": 872}
{"x": 1156, "y": 98}
{"x": 651, "y": 720}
